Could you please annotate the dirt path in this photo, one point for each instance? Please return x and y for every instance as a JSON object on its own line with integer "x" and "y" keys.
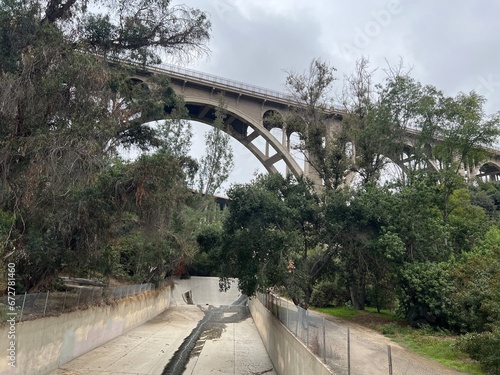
{"x": 369, "y": 352}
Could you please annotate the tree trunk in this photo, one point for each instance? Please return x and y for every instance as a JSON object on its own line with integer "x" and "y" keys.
{"x": 357, "y": 289}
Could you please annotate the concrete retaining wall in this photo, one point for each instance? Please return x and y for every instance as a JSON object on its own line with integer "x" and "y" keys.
{"x": 44, "y": 344}
{"x": 288, "y": 355}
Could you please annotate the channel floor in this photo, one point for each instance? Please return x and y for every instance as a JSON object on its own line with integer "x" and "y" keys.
{"x": 236, "y": 348}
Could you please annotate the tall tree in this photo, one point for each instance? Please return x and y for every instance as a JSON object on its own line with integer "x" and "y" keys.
{"x": 64, "y": 112}
{"x": 271, "y": 236}
{"x": 217, "y": 163}
{"x": 323, "y": 150}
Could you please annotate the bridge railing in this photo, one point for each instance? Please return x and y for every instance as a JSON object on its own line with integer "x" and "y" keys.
{"x": 186, "y": 73}
{"x": 191, "y": 73}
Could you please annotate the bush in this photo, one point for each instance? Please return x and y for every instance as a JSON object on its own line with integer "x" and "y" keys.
{"x": 390, "y": 329}
{"x": 426, "y": 294}
{"x": 328, "y": 293}
{"x": 380, "y": 296}
{"x": 483, "y": 347}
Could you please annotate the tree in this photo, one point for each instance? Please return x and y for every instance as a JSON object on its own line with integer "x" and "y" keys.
{"x": 367, "y": 246}
{"x": 426, "y": 294}
{"x": 462, "y": 135}
{"x": 477, "y": 280}
{"x": 64, "y": 113}
{"x": 217, "y": 162}
{"x": 256, "y": 244}
{"x": 366, "y": 126}
{"x": 324, "y": 152}
{"x": 271, "y": 237}
{"x": 141, "y": 30}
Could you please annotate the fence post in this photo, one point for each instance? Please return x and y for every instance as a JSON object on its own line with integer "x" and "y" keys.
{"x": 64, "y": 302}
{"x": 92, "y": 296}
{"x": 307, "y": 329}
{"x": 22, "y": 308}
{"x": 298, "y": 316}
{"x": 78, "y": 300}
{"x": 279, "y": 311}
{"x": 324, "y": 341}
{"x": 348, "y": 352}
{"x": 46, "y": 300}
{"x": 389, "y": 354}
{"x": 286, "y": 313}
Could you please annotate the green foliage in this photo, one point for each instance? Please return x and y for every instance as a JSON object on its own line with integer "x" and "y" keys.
{"x": 208, "y": 261}
{"x": 327, "y": 293}
{"x": 344, "y": 312}
{"x": 435, "y": 344}
{"x": 477, "y": 279}
{"x": 483, "y": 347}
{"x": 65, "y": 114}
{"x": 389, "y": 329}
{"x": 487, "y": 196}
{"x": 311, "y": 89}
{"x": 366, "y": 249}
{"x": 426, "y": 294}
{"x": 467, "y": 222}
{"x": 269, "y": 236}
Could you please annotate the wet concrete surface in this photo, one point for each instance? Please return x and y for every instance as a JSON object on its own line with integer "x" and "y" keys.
{"x": 201, "y": 333}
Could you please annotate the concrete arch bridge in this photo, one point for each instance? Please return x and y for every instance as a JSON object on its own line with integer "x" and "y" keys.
{"x": 247, "y": 107}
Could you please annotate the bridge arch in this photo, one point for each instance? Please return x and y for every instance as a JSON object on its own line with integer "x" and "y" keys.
{"x": 239, "y": 123}
{"x": 489, "y": 170}
{"x": 272, "y": 119}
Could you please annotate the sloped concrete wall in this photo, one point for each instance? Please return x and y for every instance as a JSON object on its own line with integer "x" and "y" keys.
{"x": 288, "y": 355}
{"x": 44, "y": 344}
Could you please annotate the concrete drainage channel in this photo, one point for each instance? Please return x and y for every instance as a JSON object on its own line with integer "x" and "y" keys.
{"x": 203, "y": 331}
{"x": 209, "y": 328}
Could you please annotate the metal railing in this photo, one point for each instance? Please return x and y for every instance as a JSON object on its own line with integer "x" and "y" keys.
{"x": 186, "y": 73}
{"x": 191, "y": 73}
{"x": 268, "y": 93}
{"x": 31, "y": 306}
{"x": 343, "y": 351}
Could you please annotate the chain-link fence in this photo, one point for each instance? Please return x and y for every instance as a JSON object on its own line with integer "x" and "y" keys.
{"x": 36, "y": 305}
{"x": 342, "y": 350}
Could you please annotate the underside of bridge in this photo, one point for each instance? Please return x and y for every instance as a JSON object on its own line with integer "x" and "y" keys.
{"x": 206, "y": 114}
{"x": 246, "y": 108}
{"x": 246, "y": 127}
{"x": 489, "y": 172}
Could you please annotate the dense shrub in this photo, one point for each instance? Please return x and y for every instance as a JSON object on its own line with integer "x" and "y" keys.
{"x": 485, "y": 348}
{"x": 426, "y": 294}
{"x": 329, "y": 293}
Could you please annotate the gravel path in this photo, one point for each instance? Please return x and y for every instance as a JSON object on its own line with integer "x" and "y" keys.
{"x": 368, "y": 348}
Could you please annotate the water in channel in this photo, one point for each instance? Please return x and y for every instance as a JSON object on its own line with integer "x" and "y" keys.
{"x": 210, "y": 327}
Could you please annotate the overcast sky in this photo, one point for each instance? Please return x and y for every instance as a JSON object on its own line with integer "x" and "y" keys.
{"x": 453, "y": 45}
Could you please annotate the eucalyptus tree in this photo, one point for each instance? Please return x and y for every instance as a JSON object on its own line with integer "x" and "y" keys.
{"x": 64, "y": 111}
